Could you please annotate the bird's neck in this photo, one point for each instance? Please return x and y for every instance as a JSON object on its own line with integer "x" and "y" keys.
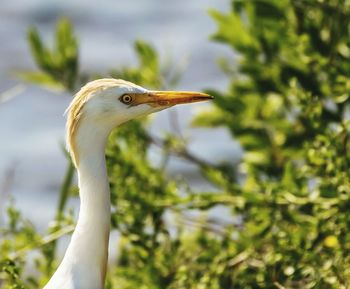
{"x": 91, "y": 236}
{"x": 86, "y": 257}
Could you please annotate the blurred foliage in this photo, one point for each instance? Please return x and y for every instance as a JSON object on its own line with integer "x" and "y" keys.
{"x": 58, "y": 65}
{"x": 287, "y": 104}
{"x": 149, "y": 72}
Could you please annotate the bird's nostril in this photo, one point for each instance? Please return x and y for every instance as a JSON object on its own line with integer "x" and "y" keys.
{"x": 164, "y": 102}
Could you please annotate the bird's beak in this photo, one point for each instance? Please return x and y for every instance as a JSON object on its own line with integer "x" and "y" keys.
{"x": 169, "y": 98}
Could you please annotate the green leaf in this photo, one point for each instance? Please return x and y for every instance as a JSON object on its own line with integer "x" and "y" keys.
{"x": 232, "y": 31}
{"x": 147, "y": 55}
{"x": 40, "y": 78}
{"x": 41, "y": 55}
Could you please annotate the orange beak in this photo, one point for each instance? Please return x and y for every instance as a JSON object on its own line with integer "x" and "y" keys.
{"x": 169, "y": 98}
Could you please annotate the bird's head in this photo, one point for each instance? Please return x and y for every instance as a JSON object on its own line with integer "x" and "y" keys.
{"x": 103, "y": 104}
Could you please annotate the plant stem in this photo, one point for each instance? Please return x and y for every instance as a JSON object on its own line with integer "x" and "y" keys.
{"x": 64, "y": 192}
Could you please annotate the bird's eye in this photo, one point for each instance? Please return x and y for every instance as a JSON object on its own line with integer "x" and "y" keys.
{"x": 126, "y": 98}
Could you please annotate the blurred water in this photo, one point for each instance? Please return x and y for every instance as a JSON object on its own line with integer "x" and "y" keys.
{"x": 32, "y": 125}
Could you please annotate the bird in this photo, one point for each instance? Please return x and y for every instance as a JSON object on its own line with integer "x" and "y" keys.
{"x": 97, "y": 108}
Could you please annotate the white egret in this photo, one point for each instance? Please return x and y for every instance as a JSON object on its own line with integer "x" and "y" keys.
{"x": 96, "y": 109}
